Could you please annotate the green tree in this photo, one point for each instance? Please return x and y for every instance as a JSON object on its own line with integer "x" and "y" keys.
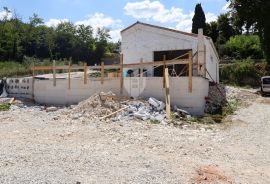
{"x": 198, "y": 20}
{"x": 255, "y": 14}
{"x": 225, "y": 28}
{"x": 212, "y": 30}
{"x": 243, "y": 47}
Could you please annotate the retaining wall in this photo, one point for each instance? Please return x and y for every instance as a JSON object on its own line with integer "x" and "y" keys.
{"x": 46, "y": 93}
{"x": 20, "y": 87}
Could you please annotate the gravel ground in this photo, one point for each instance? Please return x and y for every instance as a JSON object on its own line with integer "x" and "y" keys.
{"x": 47, "y": 147}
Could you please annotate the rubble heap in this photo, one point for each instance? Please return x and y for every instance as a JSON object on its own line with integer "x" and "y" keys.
{"x": 216, "y": 98}
{"x": 98, "y": 107}
{"x": 95, "y": 107}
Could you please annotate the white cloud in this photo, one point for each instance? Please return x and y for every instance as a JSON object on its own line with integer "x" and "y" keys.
{"x": 55, "y": 22}
{"x": 99, "y": 20}
{"x": 4, "y": 14}
{"x": 210, "y": 17}
{"x": 226, "y": 8}
{"x": 156, "y": 11}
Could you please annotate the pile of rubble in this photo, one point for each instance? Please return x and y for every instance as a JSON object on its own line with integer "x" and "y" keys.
{"x": 216, "y": 98}
{"x": 95, "y": 107}
{"x": 103, "y": 106}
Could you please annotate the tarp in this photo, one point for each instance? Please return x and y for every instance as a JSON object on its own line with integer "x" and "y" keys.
{"x": 3, "y": 92}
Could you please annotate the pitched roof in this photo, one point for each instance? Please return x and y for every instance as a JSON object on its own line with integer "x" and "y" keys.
{"x": 173, "y": 30}
{"x": 159, "y": 27}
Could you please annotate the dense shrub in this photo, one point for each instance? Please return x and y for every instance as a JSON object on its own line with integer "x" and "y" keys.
{"x": 243, "y": 73}
{"x": 242, "y": 47}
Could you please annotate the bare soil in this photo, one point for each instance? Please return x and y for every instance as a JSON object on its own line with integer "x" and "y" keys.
{"x": 48, "y": 147}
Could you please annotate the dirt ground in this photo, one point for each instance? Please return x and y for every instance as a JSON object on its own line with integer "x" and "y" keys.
{"x": 48, "y": 147}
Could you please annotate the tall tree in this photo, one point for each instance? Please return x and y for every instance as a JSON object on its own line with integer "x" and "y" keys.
{"x": 225, "y": 28}
{"x": 256, "y": 14}
{"x": 199, "y": 19}
{"x": 212, "y": 30}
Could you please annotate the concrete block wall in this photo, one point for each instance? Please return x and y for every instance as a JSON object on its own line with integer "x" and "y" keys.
{"x": 46, "y": 93}
{"x": 20, "y": 87}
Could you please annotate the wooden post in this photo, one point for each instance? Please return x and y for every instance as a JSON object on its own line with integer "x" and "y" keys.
{"x": 102, "y": 72}
{"x": 54, "y": 74}
{"x": 85, "y": 73}
{"x": 141, "y": 69}
{"x": 190, "y": 72}
{"x": 197, "y": 62}
{"x": 69, "y": 66}
{"x": 204, "y": 63}
{"x": 121, "y": 73}
{"x": 164, "y": 66}
{"x": 33, "y": 81}
{"x": 167, "y": 93}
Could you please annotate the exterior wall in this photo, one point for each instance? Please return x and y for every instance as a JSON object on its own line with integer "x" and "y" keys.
{"x": 140, "y": 42}
{"x": 212, "y": 63}
{"x": 46, "y": 93}
{"x": 20, "y": 87}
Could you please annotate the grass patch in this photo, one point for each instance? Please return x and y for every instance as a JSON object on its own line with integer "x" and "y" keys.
{"x": 4, "y": 106}
{"x": 218, "y": 115}
{"x": 243, "y": 73}
{"x": 17, "y": 69}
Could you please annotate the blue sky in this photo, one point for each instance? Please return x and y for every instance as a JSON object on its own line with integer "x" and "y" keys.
{"x": 115, "y": 14}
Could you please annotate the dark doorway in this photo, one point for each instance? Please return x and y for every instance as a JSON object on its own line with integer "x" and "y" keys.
{"x": 170, "y": 54}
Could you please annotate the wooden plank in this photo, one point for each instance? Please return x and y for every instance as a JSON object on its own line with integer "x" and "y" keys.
{"x": 204, "y": 62}
{"x": 197, "y": 62}
{"x": 85, "y": 73}
{"x": 133, "y": 65}
{"x": 121, "y": 73}
{"x": 69, "y": 67}
{"x": 11, "y": 100}
{"x": 54, "y": 74}
{"x": 102, "y": 72}
{"x": 157, "y": 63}
{"x": 164, "y": 66}
{"x": 167, "y": 94}
{"x": 104, "y": 117}
{"x": 190, "y": 72}
{"x": 33, "y": 80}
{"x": 141, "y": 69}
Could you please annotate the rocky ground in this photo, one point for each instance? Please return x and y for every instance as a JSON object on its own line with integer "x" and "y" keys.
{"x": 49, "y": 147}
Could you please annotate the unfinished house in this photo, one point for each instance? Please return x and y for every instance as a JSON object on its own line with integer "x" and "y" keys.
{"x": 169, "y": 65}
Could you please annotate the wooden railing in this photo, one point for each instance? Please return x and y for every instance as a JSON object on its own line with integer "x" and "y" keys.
{"x": 121, "y": 66}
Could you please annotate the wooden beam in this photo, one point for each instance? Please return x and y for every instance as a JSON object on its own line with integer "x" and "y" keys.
{"x": 190, "y": 69}
{"x": 167, "y": 94}
{"x": 204, "y": 62}
{"x": 102, "y": 72}
{"x": 141, "y": 69}
{"x": 197, "y": 62}
{"x": 69, "y": 75}
{"x": 54, "y": 74}
{"x": 133, "y": 65}
{"x": 115, "y": 112}
{"x": 85, "y": 73}
{"x": 121, "y": 73}
{"x": 33, "y": 81}
{"x": 164, "y": 66}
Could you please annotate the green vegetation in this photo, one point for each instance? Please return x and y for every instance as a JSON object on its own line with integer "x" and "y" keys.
{"x": 4, "y": 106}
{"x": 66, "y": 41}
{"x": 242, "y": 47}
{"x": 243, "y": 73}
{"x": 199, "y": 19}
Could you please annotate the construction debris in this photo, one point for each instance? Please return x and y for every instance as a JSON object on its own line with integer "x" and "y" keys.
{"x": 102, "y": 106}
